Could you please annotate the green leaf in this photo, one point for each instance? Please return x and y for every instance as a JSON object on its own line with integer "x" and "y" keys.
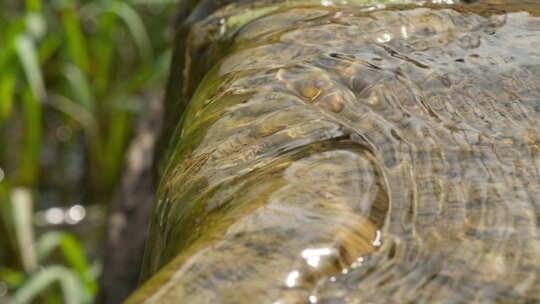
{"x": 47, "y": 48}
{"x": 160, "y": 68}
{"x": 29, "y": 167}
{"x": 12, "y": 277}
{"x": 7, "y": 93}
{"x": 38, "y": 282}
{"x": 21, "y": 199}
{"x": 103, "y": 51}
{"x": 135, "y": 26}
{"x": 36, "y": 25}
{"x": 76, "y": 112}
{"x": 9, "y": 33}
{"x": 6, "y": 219}
{"x": 33, "y": 5}
{"x": 76, "y": 43}
{"x": 114, "y": 146}
{"x": 28, "y": 56}
{"x": 82, "y": 92}
{"x": 47, "y": 244}
{"x": 73, "y": 253}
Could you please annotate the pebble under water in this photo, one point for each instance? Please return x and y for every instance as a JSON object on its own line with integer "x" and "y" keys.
{"x": 358, "y": 154}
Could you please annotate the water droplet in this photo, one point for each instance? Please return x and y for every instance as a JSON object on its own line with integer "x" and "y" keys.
{"x": 404, "y": 33}
{"x": 313, "y": 256}
{"x": 292, "y": 278}
{"x": 384, "y": 38}
{"x": 377, "y": 242}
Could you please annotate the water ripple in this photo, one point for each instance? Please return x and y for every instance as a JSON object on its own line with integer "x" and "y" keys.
{"x": 361, "y": 156}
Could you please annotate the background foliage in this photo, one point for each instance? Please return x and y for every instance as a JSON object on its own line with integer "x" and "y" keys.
{"x": 74, "y": 74}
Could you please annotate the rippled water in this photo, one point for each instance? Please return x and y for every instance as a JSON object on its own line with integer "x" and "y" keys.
{"x": 353, "y": 154}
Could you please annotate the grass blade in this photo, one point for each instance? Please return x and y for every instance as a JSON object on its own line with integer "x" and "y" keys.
{"x": 47, "y": 244}
{"x": 114, "y": 146}
{"x": 38, "y": 282}
{"x": 103, "y": 52}
{"x": 33, "y": 5}
{"x": 36, "y": 26}
{"x": 76, "y": 43}
{"x": 48, "y": 47}
{"x": 29, "y": 167}
{"x": 6, "y": 219}
{"x": 7, "y": 93}
{"x": 21, "y": 198}
{"x": 12, "y": 278}
{"x": 81, "y": 90}
{"x": 28, "y": 56}
{"x": 136, "y": 28}
{"x": 73, "y": 253}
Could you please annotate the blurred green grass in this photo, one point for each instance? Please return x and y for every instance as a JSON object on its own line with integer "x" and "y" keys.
{"x": 74, "y": 75}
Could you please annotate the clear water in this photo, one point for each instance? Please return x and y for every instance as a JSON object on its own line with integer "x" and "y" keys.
{"x": 353, "y": 154}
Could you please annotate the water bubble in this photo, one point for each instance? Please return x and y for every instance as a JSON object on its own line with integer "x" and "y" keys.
{"x": 404, "y": 33}
{"x": 377, "y": 242}
{"x": 313, "y": 256}
{"x": 222, "y": 27}
{"x": 384, "y": 38}
{"x": 358, "y": 263}
{"x": 312, "y": 299}
{"x": 292, "y": 278}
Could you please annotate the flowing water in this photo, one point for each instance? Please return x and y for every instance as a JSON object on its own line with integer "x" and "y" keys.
{"x": 348, "y": 153}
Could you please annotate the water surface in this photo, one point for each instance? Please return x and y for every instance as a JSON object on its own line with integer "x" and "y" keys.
{"x": 357, "y": 154}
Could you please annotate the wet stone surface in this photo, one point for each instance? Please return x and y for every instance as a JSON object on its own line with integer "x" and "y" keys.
{"x": 353, "y": 155}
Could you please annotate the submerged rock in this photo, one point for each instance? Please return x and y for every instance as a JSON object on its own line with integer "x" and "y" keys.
{"x": 352, "y": 152}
